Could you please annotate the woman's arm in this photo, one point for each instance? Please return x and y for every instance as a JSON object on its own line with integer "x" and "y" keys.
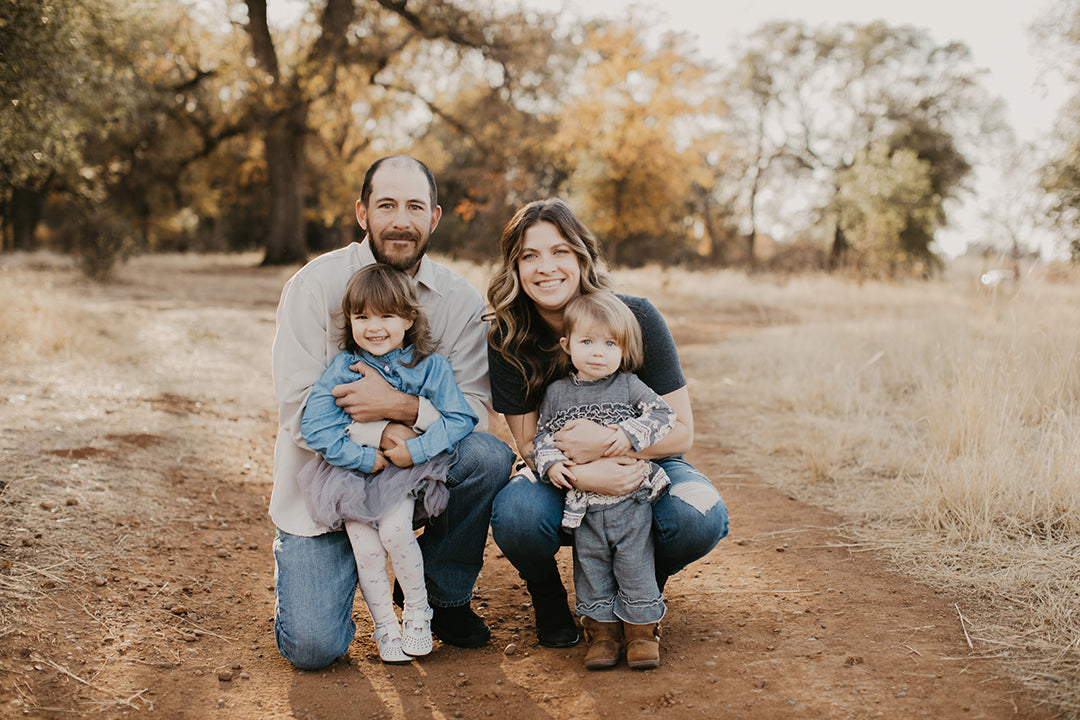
{"x": 681, "y": 437}
{"x": 583, "y": 440}
{"x": 523, "y": 430}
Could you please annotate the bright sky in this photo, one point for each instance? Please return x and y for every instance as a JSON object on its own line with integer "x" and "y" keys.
{"x": 996, "y": 31}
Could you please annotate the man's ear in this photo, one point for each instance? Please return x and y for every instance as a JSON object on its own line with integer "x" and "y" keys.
{"x": 361, "y": 214}
{"x": 436, "y": 215}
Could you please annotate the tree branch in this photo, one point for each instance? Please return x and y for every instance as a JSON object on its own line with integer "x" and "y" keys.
{"x": 441, "y": 114}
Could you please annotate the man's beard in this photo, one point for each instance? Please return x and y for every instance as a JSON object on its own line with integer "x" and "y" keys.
{"x": 404, "y": 261}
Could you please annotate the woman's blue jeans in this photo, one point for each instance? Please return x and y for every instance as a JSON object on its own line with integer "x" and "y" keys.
{"x": 688, "y": 522}
{"x": 315, "y": 577}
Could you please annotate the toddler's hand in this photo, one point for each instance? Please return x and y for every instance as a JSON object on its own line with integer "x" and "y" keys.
{"x": 380, "y": 462}
{"x": 561, "y": 476}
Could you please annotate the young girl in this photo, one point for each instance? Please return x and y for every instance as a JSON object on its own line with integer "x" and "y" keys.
{"x": 365, "y": 476}
{"x": 614, "y": 575}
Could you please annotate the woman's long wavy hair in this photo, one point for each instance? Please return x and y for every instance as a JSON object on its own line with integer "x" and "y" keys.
{"x": 517, "y": 331}
{"x": 377, "y": 289}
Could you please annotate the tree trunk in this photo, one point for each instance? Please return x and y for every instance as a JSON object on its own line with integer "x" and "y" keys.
{"x": 751, "y": 237}
{"x": 717, "y": 251}
{"x": 285, "y": 168}
{"x": 755, "y": 188}
{"x": 839, "y": 248}
{"x": 751, "y": 255}
{"x": 284, "y": 126}
{"x": 26, "y": 206}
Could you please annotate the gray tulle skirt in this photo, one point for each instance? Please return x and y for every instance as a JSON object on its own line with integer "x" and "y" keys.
{"x": 335, "y": 495}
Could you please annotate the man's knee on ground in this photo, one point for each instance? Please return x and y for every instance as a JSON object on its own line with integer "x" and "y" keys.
{"x": 310, "y": 651}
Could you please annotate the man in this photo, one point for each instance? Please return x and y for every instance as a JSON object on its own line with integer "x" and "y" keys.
{"x": 315, "y": 569}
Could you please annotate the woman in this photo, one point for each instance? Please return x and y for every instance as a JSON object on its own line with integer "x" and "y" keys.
{"x": 547, "y": 258}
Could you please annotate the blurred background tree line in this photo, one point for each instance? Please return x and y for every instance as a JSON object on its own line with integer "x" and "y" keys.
{"x": 211, "y": 126}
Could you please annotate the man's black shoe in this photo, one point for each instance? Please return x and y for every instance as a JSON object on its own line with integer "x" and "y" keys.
{"x": 555, "y": 626}
{"x": 459, "y": 626}
{"x": 399, "y": 595}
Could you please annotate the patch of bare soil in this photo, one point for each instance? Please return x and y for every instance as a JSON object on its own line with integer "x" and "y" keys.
{"x": 137, "y": 574}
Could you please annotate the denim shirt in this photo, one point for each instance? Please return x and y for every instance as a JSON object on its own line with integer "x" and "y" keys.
{"x": 324, "y": 423}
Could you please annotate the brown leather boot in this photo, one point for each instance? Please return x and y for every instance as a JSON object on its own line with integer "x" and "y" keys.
{"x": 605, "y": 641}
{"x": 642, "y": 645}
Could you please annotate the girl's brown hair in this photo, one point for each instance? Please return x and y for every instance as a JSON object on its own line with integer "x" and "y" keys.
{"x": 377, "y": 289}
{"x": 517, "y": 332}
{"x": 606, "y": 310}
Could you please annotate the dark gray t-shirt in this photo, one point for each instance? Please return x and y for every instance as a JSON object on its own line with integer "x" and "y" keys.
{"x": 661, "y": 370}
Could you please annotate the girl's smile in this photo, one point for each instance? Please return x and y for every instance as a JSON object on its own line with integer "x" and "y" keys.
{"x": 379, "y": 333}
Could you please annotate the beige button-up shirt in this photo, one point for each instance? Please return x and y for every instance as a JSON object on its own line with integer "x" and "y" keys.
{"x": 305, "y": 344}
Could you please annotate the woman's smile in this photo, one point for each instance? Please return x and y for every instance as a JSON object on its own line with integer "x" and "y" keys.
{"x": 548, "y": 267}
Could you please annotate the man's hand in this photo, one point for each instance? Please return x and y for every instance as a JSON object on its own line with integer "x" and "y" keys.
{"x": 393, "y": 444}
{"x": 561, "y": 476}
{"x": 369, "y": 398}
{"x": 582, "y": 440}
{"x": 380, "y": 462}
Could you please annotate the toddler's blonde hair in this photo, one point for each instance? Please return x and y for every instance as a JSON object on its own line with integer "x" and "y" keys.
{"x": 606, "y": 310}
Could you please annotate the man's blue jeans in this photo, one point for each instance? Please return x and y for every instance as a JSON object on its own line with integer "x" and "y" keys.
{"x": 316, "y": 576}
{"x": 688, "y": 522}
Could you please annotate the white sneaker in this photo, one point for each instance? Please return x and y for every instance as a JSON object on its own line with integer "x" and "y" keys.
{"x": 388, "y": 638}
{"x": 416, "y": 634}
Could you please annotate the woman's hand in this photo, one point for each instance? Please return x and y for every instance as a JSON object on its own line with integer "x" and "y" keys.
{"x": 583, "y": 440}
{"x": 610, "y": 476}
{"x": 618, "y": 442}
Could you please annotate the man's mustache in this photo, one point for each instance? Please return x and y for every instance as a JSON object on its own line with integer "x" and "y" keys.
{"x": 402, "y": 235}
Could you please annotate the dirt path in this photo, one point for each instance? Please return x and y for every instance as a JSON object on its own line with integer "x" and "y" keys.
{"x": 135, "y": 533}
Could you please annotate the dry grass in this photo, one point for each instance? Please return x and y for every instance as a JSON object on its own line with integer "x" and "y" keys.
{"x": 941, "y": 419}
{"x": 73, "y": 353}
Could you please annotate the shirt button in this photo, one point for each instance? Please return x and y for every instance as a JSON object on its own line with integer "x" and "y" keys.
{"x": 386, "y": 368}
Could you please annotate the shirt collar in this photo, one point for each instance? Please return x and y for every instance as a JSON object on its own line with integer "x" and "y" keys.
{"x": 425, "y": 274}
{"x": 400, "y": 355}
{"x": 578, "y": 380}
